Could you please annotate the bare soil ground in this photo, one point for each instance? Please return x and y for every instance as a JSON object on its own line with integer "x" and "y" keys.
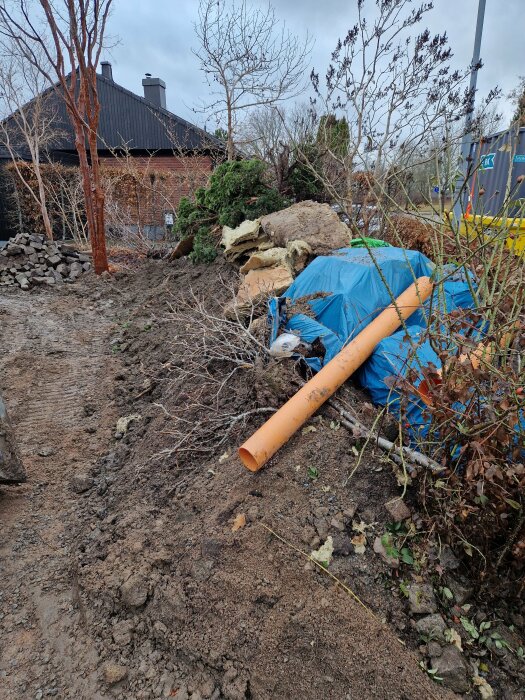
{"x": 122, "y": 575}
{"x": 55, "y": 363}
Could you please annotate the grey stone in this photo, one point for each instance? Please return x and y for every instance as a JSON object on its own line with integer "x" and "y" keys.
{"x": 122, "y": 632}
{"x": 342, "y": 545}
{"x": 337, "y": 523}
{"x": 462, "y": 591}
{"x": 452, "y": 668}
{"x": 114, "y": 673}
{"x": 322, "y": 527}
{"x": 434, "y": 649}
{"x": 14, "y": 249}
{"x": 134, "y": 591}
{"x": 46, "y": 451}
{"x": 421, "y": 598}
{"x": 432, "y": 627}
{"x": 448, "y": 559}
{"x": 81, "y": 482}
{"x": 398, "y": 510}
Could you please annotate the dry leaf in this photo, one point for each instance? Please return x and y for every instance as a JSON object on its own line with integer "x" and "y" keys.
{"x": 309, "y": 429}
{"x": 224, "y": 456}
{"x": 124, "y": 422}
{"x": 323, "y": 555}
{"x": 485, "y": 690}
{"x": 359, "y": 542}
{"x": 240, "y": 521}
{"x": 453, "y": 638}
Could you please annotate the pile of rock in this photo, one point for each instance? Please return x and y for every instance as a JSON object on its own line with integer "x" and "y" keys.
{"x": 32, "y": 259}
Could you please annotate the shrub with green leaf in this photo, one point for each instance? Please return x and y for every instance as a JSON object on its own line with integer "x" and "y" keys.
{"x": 237, "y": 190}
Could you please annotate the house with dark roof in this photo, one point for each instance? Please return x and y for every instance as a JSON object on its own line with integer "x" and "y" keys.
{"x": 152, "y": 156}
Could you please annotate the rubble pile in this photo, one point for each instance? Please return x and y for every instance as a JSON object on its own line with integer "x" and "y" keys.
{"x": 277, "y": 247}
{"x": 32, "y": 259}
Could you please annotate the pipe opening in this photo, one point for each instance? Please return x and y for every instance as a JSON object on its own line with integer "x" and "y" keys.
{"x": 248, "y": 459}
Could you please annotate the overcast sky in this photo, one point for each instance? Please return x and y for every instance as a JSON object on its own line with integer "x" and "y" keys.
{"x": 157, "y": 37}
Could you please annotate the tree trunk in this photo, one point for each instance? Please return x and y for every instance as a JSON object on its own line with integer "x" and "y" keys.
{"x": 230, "y": 144}
{"x": 98, "y": 240}
{"x": 93, "y": 201}
{"x": 43, "y": 205}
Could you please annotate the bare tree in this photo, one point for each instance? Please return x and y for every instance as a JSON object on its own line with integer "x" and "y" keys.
{"x": 271, "y": 133}
{"x": 518, "y": 97}
{"x": 394, "y": 84}
{"x": 249, "y": 57}
{"x": 70, "y": 33}
{"x": 29, "y": 125}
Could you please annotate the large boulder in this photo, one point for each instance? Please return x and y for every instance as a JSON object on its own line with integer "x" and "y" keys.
{"x": 316, "y": 224}
{"x": 11, "y": 469}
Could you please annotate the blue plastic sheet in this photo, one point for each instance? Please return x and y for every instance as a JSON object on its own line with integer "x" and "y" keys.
{"x": 348, "y": 292}
{"x": 336, "y": 296}
{"x": 348, "y": 289}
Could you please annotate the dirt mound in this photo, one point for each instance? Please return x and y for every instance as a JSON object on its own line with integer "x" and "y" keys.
{"x": 143, "y": 566}
{"x": 185, "y": 602}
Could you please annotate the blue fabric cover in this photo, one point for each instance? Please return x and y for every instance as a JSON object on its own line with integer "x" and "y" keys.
{"x": 353, "y": 287}
{"x": 351, "y": 294}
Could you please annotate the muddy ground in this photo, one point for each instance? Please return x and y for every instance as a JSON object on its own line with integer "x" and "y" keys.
{"x": 129, "y": 570}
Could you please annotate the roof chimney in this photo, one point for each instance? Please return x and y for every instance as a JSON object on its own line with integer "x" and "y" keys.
{"x": 154, "y": 90}
{"x": 106, "y": 70}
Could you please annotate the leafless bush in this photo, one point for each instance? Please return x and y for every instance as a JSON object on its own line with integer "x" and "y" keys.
{"x": 209, "y": 393}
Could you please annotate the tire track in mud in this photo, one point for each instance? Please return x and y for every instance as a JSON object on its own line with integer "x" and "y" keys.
{"x": 56, "y": 376}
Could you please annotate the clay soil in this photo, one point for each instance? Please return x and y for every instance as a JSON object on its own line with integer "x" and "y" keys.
{"x": 129, "y": 571}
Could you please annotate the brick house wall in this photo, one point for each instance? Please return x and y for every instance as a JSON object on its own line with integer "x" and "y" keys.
{"x": 142, "y": 189}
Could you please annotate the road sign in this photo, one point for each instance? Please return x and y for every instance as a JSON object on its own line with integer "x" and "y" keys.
{"x": 519, "y": 158}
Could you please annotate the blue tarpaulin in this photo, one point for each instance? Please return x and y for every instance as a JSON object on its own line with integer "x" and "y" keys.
{"x": 337, "y": 295}
{"x": 345, "y": 291}
{"x": 341, "y": 293}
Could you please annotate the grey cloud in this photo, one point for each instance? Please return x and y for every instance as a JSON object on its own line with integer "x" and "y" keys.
{"x": 157, "y": 37}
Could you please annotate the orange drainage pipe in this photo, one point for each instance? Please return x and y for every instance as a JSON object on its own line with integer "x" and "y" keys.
{"x": 264, "y": 443}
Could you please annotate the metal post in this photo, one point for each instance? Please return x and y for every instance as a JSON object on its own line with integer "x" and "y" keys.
{"x": 467, "y": 138}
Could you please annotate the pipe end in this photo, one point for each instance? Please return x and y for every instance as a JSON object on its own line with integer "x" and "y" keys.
{"x": 249, "y": 460}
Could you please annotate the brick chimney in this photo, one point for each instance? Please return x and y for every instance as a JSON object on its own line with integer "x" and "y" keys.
{"x": 154, "y": 90}
{"x": 107, "y": 72}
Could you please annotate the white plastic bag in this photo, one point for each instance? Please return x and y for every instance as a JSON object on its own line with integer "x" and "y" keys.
{"x": 284, "y": 345}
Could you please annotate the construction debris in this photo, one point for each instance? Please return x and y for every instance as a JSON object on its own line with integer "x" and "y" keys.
{"x": 316, "y": 224}
{"x": 246, "y": 237}
{"x": 32, "y": 259}
{"x": 256, "y": 286}
{"x": 294, "y": 256}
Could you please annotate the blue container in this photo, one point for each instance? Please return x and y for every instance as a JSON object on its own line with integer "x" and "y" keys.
{"x": 493, "y": 159}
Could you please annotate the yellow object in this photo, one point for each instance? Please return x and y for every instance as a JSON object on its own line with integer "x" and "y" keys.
{"x": 474, "y": 224}
{"x": 264, "y": 443}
